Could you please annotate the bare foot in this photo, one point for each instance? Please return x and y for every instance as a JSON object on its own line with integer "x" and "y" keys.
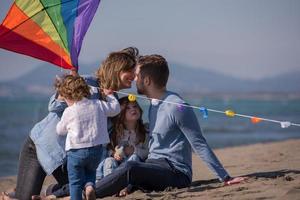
{"x": 123, "y": 192}
{"x": 235, "y": 180}
{"x": 90, "y": 193}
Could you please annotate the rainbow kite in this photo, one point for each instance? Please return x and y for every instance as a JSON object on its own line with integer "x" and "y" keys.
{"x": 50, "y": 30}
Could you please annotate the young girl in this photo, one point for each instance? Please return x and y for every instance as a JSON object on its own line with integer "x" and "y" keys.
{"x": 129, "y": 138}
{"x": 85, "y": 123}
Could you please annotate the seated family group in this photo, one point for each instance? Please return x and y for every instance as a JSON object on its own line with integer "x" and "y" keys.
{"x": 95, "y": 144}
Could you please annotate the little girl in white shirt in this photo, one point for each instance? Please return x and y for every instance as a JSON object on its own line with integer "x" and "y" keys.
{"x": 84, "y": 122}
{"x": 129, "y": 138}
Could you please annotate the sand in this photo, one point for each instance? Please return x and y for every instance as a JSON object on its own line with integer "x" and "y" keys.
{"x": 273, "y": 170}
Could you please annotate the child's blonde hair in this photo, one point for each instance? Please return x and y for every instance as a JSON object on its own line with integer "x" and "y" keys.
{"x": 72, "y": 87}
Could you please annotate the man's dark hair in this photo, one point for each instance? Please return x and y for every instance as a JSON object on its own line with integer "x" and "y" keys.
{"x": 156, "y": 67}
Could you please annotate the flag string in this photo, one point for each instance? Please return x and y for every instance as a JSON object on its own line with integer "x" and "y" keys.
{"x": 204, "y": 110}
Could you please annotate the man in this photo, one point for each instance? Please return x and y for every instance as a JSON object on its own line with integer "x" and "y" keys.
{"x": 174, "y": 131}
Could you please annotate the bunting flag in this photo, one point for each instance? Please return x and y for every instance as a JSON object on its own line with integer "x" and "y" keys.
{"x": 49, "y": 30}
{"x": 204, "y": 111}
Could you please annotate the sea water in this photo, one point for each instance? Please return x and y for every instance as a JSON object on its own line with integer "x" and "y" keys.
{"x": 18, "y": 116}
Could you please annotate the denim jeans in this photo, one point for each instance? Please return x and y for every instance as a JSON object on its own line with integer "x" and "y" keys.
{"x": 82, "y": 165}
{"x": 31, "y": 175}
{"x": 153, "y": 174}
{"x": 108, "y": 165}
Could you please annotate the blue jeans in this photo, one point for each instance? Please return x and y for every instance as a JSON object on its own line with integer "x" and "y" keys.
{"x": 153, "y": 174}
{"x": 108, "y": 165}
{"x": 31, "y": 175}
{"x": 82, "y": 165}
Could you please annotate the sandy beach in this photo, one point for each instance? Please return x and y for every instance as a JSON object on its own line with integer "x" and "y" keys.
{"x": 273, "y": 170}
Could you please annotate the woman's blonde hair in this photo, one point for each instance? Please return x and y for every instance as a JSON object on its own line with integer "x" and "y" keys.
{"x": 115, "y": 63}
{"x": 72, "y": 87}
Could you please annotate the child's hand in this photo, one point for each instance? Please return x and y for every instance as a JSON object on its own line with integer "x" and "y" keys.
{"x": 117, "y": 157}
{"x": 119, "y": 153}
{"x": 73, "y": 73}
{"x": 107, "y": 91}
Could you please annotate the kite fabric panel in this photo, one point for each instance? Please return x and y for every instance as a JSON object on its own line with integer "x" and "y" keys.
{"x": 49, "y": 30}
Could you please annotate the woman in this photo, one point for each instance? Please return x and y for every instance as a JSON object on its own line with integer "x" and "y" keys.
{"x": 43, "y": 151}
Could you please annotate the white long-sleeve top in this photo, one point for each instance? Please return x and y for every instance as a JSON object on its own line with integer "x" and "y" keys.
{"x": 130, "y": 138}
{"x": 85, "y": 122}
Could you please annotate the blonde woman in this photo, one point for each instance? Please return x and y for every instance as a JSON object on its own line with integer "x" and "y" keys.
{"x": 43, "y": 152}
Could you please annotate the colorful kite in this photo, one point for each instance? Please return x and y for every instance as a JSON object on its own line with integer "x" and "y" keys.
{"x": 50, "y": 30}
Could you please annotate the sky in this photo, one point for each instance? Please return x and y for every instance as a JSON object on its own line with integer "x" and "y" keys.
{"x": 246, "y": 39}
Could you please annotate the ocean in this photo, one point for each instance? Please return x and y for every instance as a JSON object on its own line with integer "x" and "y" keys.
{"x": 19, "y": 115}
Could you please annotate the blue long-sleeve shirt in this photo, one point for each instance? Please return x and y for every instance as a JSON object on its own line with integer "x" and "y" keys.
{"x": 174, "y": 132}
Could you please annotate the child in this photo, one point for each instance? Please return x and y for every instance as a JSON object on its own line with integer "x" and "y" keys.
{"x": 85, "y": 123}
{"x": 129, "y": 140}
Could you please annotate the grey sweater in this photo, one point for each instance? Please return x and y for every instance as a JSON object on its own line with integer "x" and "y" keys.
{"x": 174, "y": 131}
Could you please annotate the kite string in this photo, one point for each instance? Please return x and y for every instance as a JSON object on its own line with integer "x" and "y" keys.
{"x": 211, "y": 110}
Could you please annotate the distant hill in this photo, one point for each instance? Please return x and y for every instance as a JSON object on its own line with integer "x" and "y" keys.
{"x": 44, "y": 75}
{"x": 38, "y": 82}
{"x": 182, "y": 79}
{"x": 205, "y": 81}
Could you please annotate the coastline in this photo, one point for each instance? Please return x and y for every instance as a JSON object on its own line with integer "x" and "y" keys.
{"x": 273, "y": 170}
